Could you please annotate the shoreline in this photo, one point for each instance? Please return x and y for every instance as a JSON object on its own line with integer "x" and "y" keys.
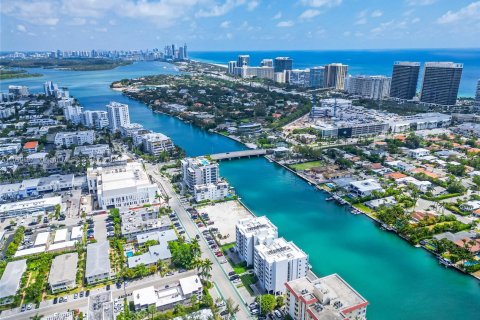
{"x": 369, "y": 216}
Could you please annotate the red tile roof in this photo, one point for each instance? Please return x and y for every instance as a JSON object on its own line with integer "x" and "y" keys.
{"x": 31, "y": 145}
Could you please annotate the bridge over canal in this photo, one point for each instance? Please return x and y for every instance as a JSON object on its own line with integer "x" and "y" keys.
{"x": 239, "y": 154}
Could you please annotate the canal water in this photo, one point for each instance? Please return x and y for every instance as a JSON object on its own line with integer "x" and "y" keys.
{"x": 400, "y": 281}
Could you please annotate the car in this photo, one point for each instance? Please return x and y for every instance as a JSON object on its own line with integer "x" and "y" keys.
{"x": 75, "y": 296}
{"x": 255, "y": 311}
{"x": 87, "y": 293}
{"x": 81, "y": 294}
{"x": 231, "y": 273}
{"x": 197, "y": 237}
{"x": 170, "y": 273}
{"x": 220, "y": 304}
{"x": 108, "y": 287}
{"x": 119, "y": 285}
{"x": 253, "y": 305}
{"x": 223, "y": 261}
{"x": 55, "y": 300}
{"x": 24, "y": 307}
{"x": 60, "y": 299}
{"x": 181, "y": 270}
{"x": 224, "y": 313}
{"x": 65, "y": 299}
{"x": 278, "y": 314}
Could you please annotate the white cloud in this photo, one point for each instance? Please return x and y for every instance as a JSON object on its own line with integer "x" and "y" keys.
{"x": 420, "y": 2}
{"x": 225, "y": 24}
{"x": 252, "y": 5}
{"x": 309, "y": 14}
{"x": 35, "y": 12}
{"x": 21, "y": 28}
{"x": 277, "y": 16}
{"x": 77, "y": 21}
{"x": 361, "y": 21}
{"x": 219, "y": 9}
{"x": 376, "y": 14}
{"x": 470, "y": 12}
{"x": 321, "y": 3}
{"x": 285, "y": 24}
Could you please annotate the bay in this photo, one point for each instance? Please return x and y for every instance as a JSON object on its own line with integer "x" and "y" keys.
{"x": 400, "y": 281}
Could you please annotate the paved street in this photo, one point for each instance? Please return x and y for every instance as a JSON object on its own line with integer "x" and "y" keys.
{"x": 226, "y": 288}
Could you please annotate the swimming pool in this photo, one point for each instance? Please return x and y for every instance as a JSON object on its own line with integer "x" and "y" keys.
{"x": 129, "y": 254}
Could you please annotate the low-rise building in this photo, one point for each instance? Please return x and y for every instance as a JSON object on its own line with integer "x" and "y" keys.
{"x": 10, "y": 148}
{"x": 143, "y": 220}
{"x": 122, "y": 186}
{"x": 167, "y": 297}
{"x": 10, "y": 281}
{"x": 249, "y": 128}
{"x": 30, "y": 147}
{"x": 470, "y": 205}
{"x": 365, "y": 188}
{"x": 251, "y": 232}
{"x": 98, "y": 262}
{"x": 93, "y": 151}
{"x": 329, "y": 297}
{"x": 77, "y": 138}
{"x": 211, "y": 191}
{"x": 277, "y": 262}
{"x": 418, "y": 153}
{"x": 30, "y": 206}
{"x": 63, "y": 272}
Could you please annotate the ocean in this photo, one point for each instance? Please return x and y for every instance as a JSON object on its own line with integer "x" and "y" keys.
{"x": 363, "y": 62}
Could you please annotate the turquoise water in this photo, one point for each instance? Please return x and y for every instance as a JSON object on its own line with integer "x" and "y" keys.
{"x": 129, "y": 254}
{"x": 367, "y": 62}
{"x": 400, "y": 281}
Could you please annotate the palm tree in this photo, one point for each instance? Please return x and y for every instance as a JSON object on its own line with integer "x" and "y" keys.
{"x": 162, "y": 267}
{"x": 36, "y": 317}
{"x": 205, "y": 269}
{"x": 195, "y": 247}
{"x": 231, "y": 308}
{"x": 152, "y": 310}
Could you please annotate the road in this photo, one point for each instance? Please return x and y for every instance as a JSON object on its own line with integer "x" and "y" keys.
{"x": 222, "y": 282}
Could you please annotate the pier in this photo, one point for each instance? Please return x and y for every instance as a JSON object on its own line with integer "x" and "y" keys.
{"x": 238, "y": 154}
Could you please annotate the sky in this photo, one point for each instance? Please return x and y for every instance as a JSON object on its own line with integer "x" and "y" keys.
{"x": 222, "y": 25}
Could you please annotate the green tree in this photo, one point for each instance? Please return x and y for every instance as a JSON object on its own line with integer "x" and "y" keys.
{"x": 231, "y": 308}
{"x": 267, "y": 303}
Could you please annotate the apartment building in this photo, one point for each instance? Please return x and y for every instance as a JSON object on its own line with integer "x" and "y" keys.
{"x": 98, "y": 262}
{"x": 122, "y": 186}
{"x": 329, "y": 297}
{"x": 92, "y": 151}
{"x": 277, "y": 262}
{"x": 198, "y": 171}
{"x": 78, "y": 138}
{"x": 63, "y": 272}
{"x": 155, "y": 143}
{"x": 118, "y": 115}
{"x": 251, "y": 232}
{"x": 210, "y": 191}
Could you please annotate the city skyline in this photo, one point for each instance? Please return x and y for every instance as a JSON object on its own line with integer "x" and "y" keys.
{"x": 222, "y": 25}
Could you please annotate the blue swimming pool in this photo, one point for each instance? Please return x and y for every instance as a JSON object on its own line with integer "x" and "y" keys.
{"x": 129, "y": 254}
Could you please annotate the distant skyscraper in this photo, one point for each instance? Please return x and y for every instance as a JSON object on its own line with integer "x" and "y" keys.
{"x": 231, "y": 67}
{"x": 477, "y": 95}
{"x": 243, "y": 60}
{"x": 266, "y": 63}
{"x": 371, "y": 87}
{"x": 49, "y": 88}
{"x": 282, "y": 64}
{"x": 185, "y": 53}
{"x": 317, "y": 75}
{"x": 404, "y": 80}
{"x": 441, "y": 81}
{"x": 118, "y": 115}
{"x": 335, "y": 74}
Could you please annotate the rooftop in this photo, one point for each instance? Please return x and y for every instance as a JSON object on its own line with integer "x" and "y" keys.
{"x": 279, "y": 249}
{"x": 98, "y": 259}
{"x": 64, "y": 268}
{"x": 10, "y": 281}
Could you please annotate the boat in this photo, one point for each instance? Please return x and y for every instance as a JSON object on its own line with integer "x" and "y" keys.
{"x": 355, "y": 211}
{"x": 329, "y": 199}
{"x": 447, "y": 263}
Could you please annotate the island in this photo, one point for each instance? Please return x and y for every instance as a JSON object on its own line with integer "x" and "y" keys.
{"x": 74, "y": 64}
{"x": 7, "y": 73}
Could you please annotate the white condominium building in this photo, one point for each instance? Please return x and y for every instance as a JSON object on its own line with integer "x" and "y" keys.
{"x": 278, "y": 262}
{"x": 95, "y": 119}
{"x": 122, "y": 186}
{"x": 329, "y": 297}
{"x": 78, "y": 138}
{"x": 210, "y": 191}
{"x": 251, "y": 232}
{"x": 98, "y": 262}
{"x": 73, "y": 113}
{"x": 155, "y": 143}
{"x": 199, "y": 171}
{"x": 371, "y": 87}
{"x": 118, "y": 115}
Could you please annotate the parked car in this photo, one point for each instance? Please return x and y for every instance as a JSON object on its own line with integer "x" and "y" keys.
{"x": 75, "y": 296}
{"x": 24, "y": 307}
{"x": 55, "y": 300}
{"x": 81, "y": 294}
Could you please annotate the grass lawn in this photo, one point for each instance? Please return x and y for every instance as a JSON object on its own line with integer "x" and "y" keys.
{"x": 227, "y": 247}
{"x": 305, "y": 165}
{"x": 362, "y": 207}
{"x": 247, "y": 280}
